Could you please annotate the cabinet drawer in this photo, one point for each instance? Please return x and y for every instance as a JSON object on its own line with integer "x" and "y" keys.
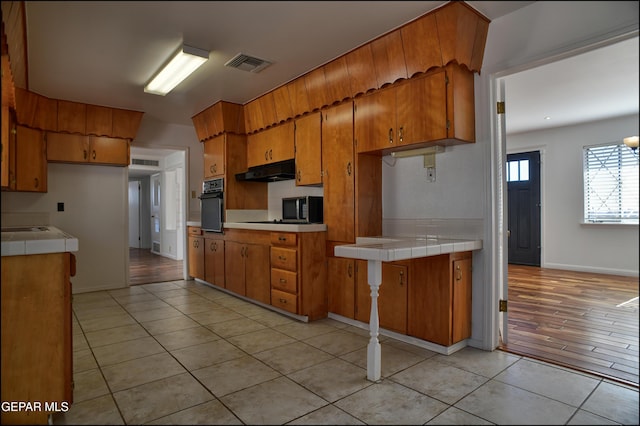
{"x": 283, "y": 300}
{"x": 283, "y": 238}
{"x": 284, "y": 280}
{"x": 283, "y": 258}
{"x": 194, "y": 230}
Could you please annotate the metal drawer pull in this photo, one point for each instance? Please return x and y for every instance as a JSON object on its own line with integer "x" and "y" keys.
{"x": 283, "y": 258}
{"x": 283, "y": 300}
{"x": 458, "y": 273}
{"x": 282, "y": 280}
{"x": 282, "y": 238}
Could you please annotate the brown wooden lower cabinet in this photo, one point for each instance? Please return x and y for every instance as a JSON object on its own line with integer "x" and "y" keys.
{"x": 247, "y": 270}
{"x": 392, "y": 296}
{"x": 214, "y": 259}
{"x": 341, "y": 287}
{"x": 195, "y": 253}
{"x": 37, "y": 342}
{"x": 428, "y": 298}
{"x": 298, "y": 273}
{"x": 439, "y": 299}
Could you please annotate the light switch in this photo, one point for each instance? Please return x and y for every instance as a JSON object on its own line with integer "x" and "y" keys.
{"x": 193, "y": 194}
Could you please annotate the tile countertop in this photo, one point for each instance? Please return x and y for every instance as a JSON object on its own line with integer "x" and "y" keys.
{"x": 312, "y": 227}
{"x": 389, "y": 249}
{"x": 22, "y": 240}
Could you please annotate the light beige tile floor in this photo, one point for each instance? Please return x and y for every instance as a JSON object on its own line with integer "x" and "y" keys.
{"x": 186, "y": 353}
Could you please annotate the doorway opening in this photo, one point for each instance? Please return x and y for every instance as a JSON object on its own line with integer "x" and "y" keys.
{"x": 555, "y": 314}
{"x": 157, "y": 224}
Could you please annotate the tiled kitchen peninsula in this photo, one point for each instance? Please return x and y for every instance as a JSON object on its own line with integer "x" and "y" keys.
{"x": 37, "y": 364}
{"x": 437, "y": 289}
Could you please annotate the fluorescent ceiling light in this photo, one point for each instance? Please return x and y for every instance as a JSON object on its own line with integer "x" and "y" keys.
{"x": 184, "y": 62}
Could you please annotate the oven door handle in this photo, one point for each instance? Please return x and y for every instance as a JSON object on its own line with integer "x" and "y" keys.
{"x": 210, "y": 195}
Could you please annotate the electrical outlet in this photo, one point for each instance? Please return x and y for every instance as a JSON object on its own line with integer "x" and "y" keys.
{"x": 60, "y": 207}
{"x": 431, "y": 174}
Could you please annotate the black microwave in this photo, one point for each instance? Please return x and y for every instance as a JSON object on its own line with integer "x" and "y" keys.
{"x": 307, "y": 209}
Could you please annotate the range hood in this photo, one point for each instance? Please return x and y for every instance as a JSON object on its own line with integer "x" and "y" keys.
{"x": 283, "y": 170}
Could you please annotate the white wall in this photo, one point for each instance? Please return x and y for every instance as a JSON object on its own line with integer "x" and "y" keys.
{"x": 95, "y": 203}
{"x": 458, "y": 191}
{"x": 566, "y": 242}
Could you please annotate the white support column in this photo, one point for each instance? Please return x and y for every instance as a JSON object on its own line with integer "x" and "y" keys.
{"x": 374, "y": 357}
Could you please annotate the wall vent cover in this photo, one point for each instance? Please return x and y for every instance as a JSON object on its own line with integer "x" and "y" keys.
{"x": 247, "y": 63}
{"x": 142, "y": 162}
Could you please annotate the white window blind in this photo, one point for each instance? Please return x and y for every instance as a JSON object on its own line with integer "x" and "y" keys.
{"x": 610, "y": 184}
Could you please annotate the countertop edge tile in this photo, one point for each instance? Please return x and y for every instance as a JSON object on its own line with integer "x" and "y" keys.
{"x": 388, "y": 249}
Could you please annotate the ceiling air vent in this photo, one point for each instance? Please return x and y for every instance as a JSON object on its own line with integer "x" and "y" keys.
{"x": 247, "y": 63}
{"x": 141, "y": 162}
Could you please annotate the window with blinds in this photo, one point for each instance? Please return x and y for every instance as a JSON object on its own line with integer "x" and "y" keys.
{"x": 610, "y": 184}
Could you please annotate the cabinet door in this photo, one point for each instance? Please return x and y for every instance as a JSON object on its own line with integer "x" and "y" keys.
{"x": 258, "y": 272}
{"x": 214, "y": 157}
{"x": 64, "y": 147}
{"x": 257, "y": 149}
{"x": 392, "y": 296}
{"x": 31, "y": 160}
{"x": 196, "y": 257}
{"x": 308, "y": 149}
{"x": 422, "y": 109}
{"x": 341, "y": 286}
{"x": 214, "y": 261}
{"x": 375, "y": 121}
{"x": 105, "y": 150}
{"x": 339, "y": 182}
{"x": 234, "y": 258}
{"x": 281, "y": 143}
{"x": 429, "y": 300}
{"x": 461, "y": 306}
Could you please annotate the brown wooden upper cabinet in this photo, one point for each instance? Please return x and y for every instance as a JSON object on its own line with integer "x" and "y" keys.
{"x": 72, "y": 117}
{"x": 430, "y": 108}
{"x": 308, "y": 149}
{"x": 75, "y": 148}
{"x": 99, "y": 120}
{"x": 218, "y": 118}
{"x": 30, "y": 169}
{"x": 271, "y": 145}
{"x": 56, "y": 115}
{"x": 214, "y": 158}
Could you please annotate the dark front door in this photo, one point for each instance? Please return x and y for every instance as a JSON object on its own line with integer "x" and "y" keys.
{"x": 523, "y": 194}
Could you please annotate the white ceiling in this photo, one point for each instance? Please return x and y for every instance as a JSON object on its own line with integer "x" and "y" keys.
{"x": 104, "y": 52}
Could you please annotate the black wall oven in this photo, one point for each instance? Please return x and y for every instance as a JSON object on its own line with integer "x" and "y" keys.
{"x": 211, "y": 205}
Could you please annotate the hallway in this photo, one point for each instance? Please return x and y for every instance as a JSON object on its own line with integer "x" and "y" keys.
{"x": 146, "y": 267}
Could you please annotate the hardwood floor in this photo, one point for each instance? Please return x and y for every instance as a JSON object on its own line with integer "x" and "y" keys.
{"x": 584, "y": 321}
{"x": 146, "y": 267}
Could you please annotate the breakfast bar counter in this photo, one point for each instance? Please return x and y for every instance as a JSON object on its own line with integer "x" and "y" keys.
{"x": 376, "y": 250}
